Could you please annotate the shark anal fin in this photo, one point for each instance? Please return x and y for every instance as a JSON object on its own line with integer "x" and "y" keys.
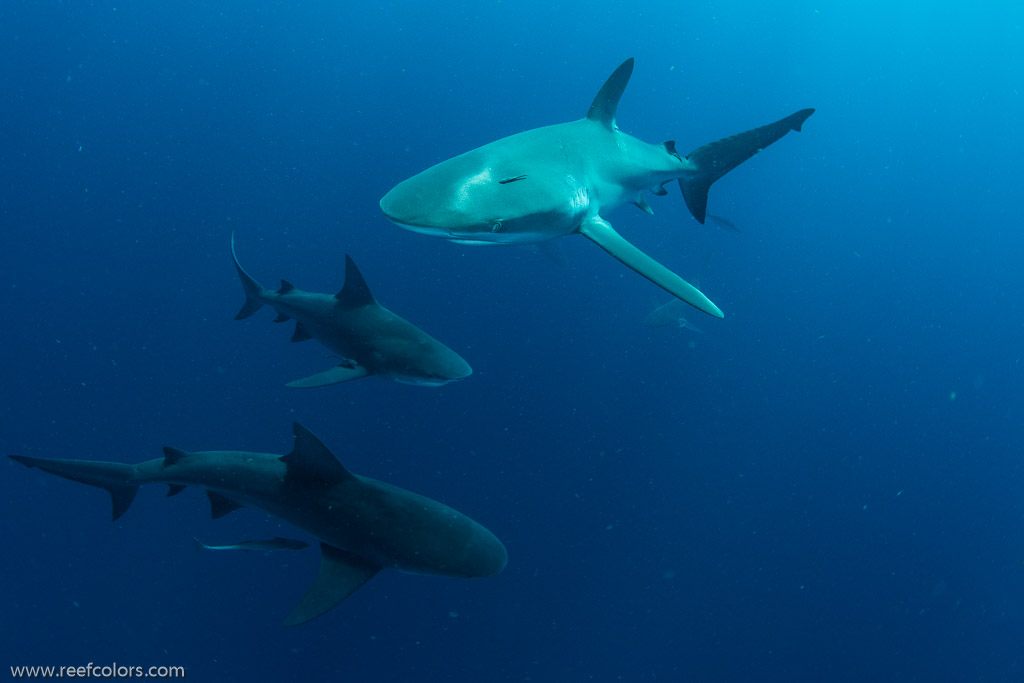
{"x": 336, "y": 375}
{"x": 341, "y": 574}
{"x": 282, "y": 318}
{"x": 301, "y": 334}
{"x": 714, "y": 160}
{"x": 604, "y": 235}
{"x": 220, "y": 505}
{"x": 602, "y": 109}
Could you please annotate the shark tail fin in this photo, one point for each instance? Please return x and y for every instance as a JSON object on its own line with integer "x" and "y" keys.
{"x": 714, "y": 160}
{"x": 117, "y": 478}
{"x": 253, "y": 290}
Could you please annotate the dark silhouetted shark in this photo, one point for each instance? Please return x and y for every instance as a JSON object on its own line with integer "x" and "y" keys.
{"x": 562, "y": 179}
{"x": 363, "y": 525}
{"x": 370, "y": 339}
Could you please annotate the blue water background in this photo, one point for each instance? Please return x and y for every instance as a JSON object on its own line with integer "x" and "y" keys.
{"x": 825, "y": 486}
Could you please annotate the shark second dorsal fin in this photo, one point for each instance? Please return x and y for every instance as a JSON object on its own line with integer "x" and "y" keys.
{"x": 602, "y": 109}
{"x": 285, "y": 287}
{"x": 355, "y": 292}
{"x": 311, "y": 462}
{"x": 219, "y": 505}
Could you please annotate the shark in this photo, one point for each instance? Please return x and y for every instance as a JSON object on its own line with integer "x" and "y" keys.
{"x": 266, "y": 545}
{"x": 671, "y": 314}
{"x": 363, "y": 525}
{"x": 563, "y": 179}
{"x": 369, "y": 339}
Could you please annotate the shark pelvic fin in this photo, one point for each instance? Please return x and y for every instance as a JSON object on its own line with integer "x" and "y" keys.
{"x": 714, "y": 160}
{"x": 115, "y": 477}
{"x": 174, "y": 489}
{"x": 602, "y": 109}
{"x": 282, "y": 318}
{"x": 312, "y": 462}
{"x": 336, "y": 375}
{"x": 355, "y": 292}
{"x": 341, "y": 574}
{"x": 220, "y": 505}
{"x": 301, "y": 333}
{"x": 642, "y": 204}
{"x": 604, "y": 235}
{"x": 253, "y": 290}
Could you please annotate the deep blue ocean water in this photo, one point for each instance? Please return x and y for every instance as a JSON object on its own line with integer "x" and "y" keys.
{"x": 825, "y": 486}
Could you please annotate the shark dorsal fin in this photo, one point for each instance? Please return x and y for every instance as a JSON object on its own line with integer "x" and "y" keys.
{"x": 602, "y": 109}
{"x": 285, "y": 287}
{"x": 173, "y": 455}
{"x": 312, "y": 462}
{"x": 355, "y": 293}
{"x": 220, "y": 505}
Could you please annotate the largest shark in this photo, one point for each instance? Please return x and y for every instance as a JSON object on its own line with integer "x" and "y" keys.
{"x": 363, "y": 525}
{"x": 563, "y": 179}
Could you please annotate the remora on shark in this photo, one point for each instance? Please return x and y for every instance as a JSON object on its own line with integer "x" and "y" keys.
{"x": 370, "y": 339}
{"x": 363, "y": 525}
{"x": 562, "y": 179}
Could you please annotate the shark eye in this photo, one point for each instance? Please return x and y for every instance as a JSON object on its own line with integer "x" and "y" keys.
{"x": 496, "y": 226}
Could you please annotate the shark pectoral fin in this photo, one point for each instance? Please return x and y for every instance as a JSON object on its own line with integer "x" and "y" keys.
{"x": 341, "y": 573}
{"x": 604, "y": 235}
{"x": 301, "y": 334}
{"x": 336, "y": 375}
{"x": 219, "y": 505}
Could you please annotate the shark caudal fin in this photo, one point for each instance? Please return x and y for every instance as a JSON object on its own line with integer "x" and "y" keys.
{"x": 117, "y": 478}
{"x": 714, "y": 160}
{"x": 253, "y": 290}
